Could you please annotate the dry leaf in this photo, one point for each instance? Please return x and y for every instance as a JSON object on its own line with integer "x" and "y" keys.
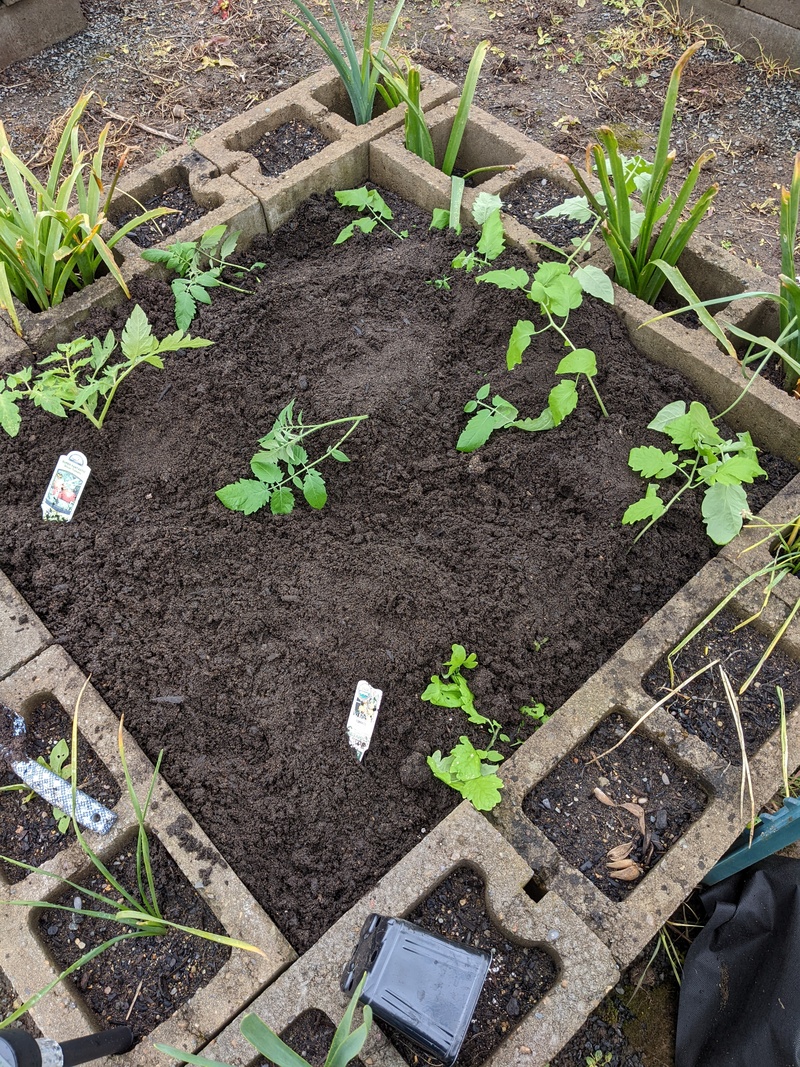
{"x": 630, "y": 874}
{"x": 634, "y": 809}
{"x": 598, "y": 792}
{"x": 619, "y": 852}
{"x": 621, "y": 865}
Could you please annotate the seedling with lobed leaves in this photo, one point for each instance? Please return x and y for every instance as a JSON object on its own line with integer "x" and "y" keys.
{"x": 720, "y": 467}
{"x": 468, "y": 770}
{"x": 500, "y": 414}
{"x": 492, "y": 240}
{"x": 374, "y": 210}
{"x": 199, "y": 265}
{"x": 283, "y": 462}
{"x": 79, "y": 383}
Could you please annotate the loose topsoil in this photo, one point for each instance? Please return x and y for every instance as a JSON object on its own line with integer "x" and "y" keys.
{"x": 235, "y": 643}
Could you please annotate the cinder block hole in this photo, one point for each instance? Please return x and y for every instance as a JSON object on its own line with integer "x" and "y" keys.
{"x": 29, "y": 826}
{"x": 479, "y": 148}
{"x": 176, "y": 195}
{"x": 143, "y": 980}
{"x": 334, "y": 97}
{"x": 310, "y": 1036}
{"x": 528, "y": 200}
{"x": 519, "y": 976}
{"x": 535, "y": 889}
{"x": 702, "y": 707}
{"x": 614, "y": 814}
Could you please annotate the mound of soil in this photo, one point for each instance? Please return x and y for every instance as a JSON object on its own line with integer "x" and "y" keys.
{"x": 235, "y": 643}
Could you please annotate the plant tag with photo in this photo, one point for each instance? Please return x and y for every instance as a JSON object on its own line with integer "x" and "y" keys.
{"x": 65, "y": 488}
{"x": 363, "y": 713}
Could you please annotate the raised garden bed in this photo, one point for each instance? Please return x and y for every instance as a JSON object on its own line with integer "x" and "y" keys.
{"x": 237, "y": 642}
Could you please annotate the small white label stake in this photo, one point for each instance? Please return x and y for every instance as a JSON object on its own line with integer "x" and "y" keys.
{"x": 363, "y": 713}
{"x": 65, "y": 488}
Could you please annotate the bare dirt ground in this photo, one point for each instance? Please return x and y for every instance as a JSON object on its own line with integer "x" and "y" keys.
{"x": 556, "y": 70}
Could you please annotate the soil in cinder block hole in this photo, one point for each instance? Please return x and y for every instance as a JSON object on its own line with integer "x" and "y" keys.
{"x": 142, "y": 981}
{"x": 310, "y": 1036}
{"x": 29, "y": 831}
{"x": 530, "y": 199}
{"x": 702, "y": 707}
{"x": 9, "y": 1002}
{"x": 236, "y": 642}
{"x": 180, "y": 199}
{"x": 518, "y": 977}
{"x": 290, "y": 143}
{"x": 579, "y": 806}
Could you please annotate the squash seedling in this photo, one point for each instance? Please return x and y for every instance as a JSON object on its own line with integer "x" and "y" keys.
{"x": 720, "y": 467}
{"x": 283, "y": 463}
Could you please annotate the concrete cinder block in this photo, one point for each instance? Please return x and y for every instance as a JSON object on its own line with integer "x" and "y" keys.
{"x": 627, "y": 926}
{"x": 586, "y": 969}
{"x": 22, "y": 635}
{"x": 771, "y": 415}
{"x": 343, "y": 163}
{"x": 14, "y": 353}
{"x": 786, "y": 12}
{"x": 225, "y": 201}
{"x": 29, "y": 26}
{"x": 23, "y": 957}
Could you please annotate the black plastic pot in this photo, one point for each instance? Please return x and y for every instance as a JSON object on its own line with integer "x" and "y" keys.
{"x": 422, "y": 984}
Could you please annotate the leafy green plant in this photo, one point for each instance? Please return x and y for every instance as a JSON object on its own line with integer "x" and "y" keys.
{"x": 137, "y": 911}
{"x": 720, "y": 467}
{"x": 88, "y": 384}
{"x": 629, "y": 234}
{"x": 345, "y": 1046}
{"x": 51, "y": 233}
{"x": 468, "y": 770}
{"x": 359, "y": 77}
{"x": 283, "y": 462}
{"x": 500, "y": 414}
{"x": 198, "y": 265}
{"x": 491, "y": 241}
{"x": 598, "y": 1058}
{"x": 441, "y": 284}
{"x": 536, "y": 712}
{"x": 375, "y": 210}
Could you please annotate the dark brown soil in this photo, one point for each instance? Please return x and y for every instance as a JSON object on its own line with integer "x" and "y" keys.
{"x": 571, "y": 804}
{"x": 289, "y": 144}
{"x": 702, "y": 707}
{"x": 258, "y": 628}
{"x": 150, "y": 233}
{"x": 142, "y": 981}
{"x": 28, "y": 831}
{"x": 530, "y": 199}
{"x": 518, "y": 977}
{"x": 310, "y": 1036}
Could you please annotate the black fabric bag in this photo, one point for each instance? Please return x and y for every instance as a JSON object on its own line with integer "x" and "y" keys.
{"x": 740, "y": 995}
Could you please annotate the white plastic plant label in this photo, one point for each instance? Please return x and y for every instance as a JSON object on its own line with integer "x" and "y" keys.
{"x": 363, "y": 713}
{"x": 65, "y": 488}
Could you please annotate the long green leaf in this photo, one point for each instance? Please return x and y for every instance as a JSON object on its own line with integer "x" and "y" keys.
{"x": 464, "y": 105}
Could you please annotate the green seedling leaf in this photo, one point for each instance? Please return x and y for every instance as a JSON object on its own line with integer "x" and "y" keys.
{"x": 459, "y": 658}
{"x": 440, "y": 219}
{"x": 281, "y": 501}
{"x": 510, "y": 278}
{"x": 492, "y": 240}
{"x": 724, "y": 509}
{"x": 264, "y": 468}
{"x": 375, "y": 209}
{"x": 314, "y": 490}
{"x": 246, "y": 495}
{"x": 482, "y": 792}
{"x": 357, "y": 198}
{"x": 442, "y": 694}
{"x": 579, "y": 361}
{"x": 485, "y": 205}
{"x": 518, "y": 342}
{"x": 10, "y": 418}
{"x": 651, "y": 506}
{"x": 651, "y": 462}
{"x": 478, "y": 430}
{"x": 595, "y": 282}
{"x": 667, "y": 414}
{"x": 562, "y": 401}
{"x": 574, "y": 207}
{"x": 483, "y": 392}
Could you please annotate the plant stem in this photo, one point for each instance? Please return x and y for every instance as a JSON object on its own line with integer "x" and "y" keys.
{"x": 588, "y": 377}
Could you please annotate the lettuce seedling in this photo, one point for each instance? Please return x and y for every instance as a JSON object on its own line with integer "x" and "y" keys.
{"x": 78, "y": 383}
{"x": 468, "y": 770}
{"x": 499, "y": 414}
{"x": 282, "y": 463}
{"x": 721, "y": 466}
{"x": 365, "y": 200}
